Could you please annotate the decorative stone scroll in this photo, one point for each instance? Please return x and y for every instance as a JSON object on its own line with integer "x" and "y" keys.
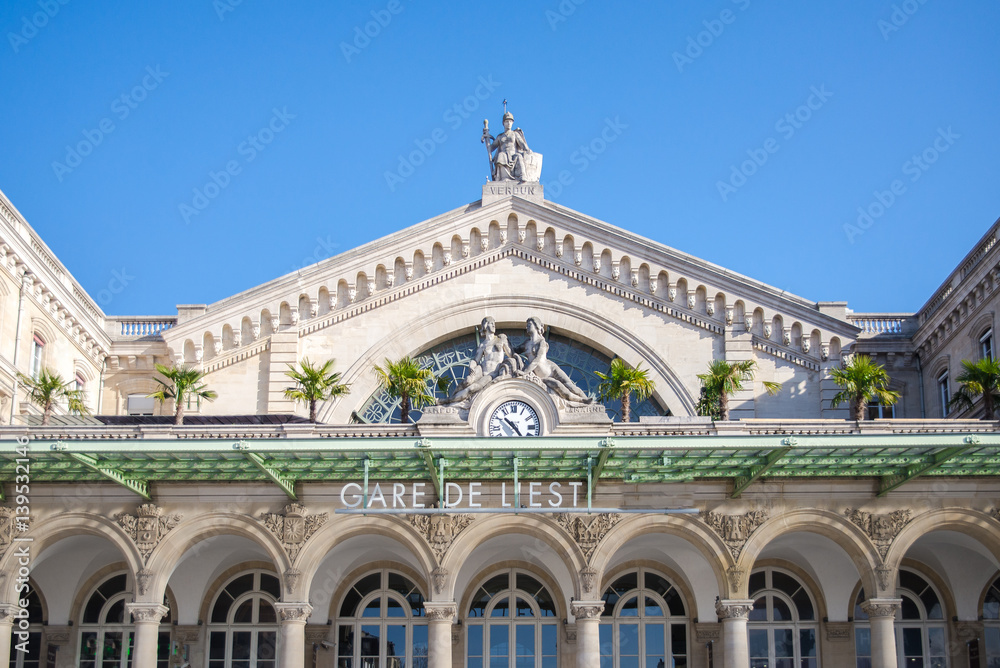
{"x": 293, "y": 612}
{"x": 587, "y": 531}
{"x": 587, "y": 609}
{"x": 147, "y": 527}
{"x": 706, "y": 632}
{"x": 440, "y": 530}
{"x": 735, "y": 530}
{"x": 838, "y": 631}
{"x": 882, "y": 528}
{"x": 733, "y": 609}
{"x": 440, "y": 612}
{"x": 293, "y": 528}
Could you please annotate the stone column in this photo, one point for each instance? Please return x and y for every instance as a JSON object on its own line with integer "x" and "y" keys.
{"x": 588, "y": 638}
{"x": 734, "y": 614}
{"x": 292, "y": 643}
{"x": 146, "y": 617}
{"x": 7, "y": 612}
{"x": 882, "y": 615}
{"x": 440, "y": 615}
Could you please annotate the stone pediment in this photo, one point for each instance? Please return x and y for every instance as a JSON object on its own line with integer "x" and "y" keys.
{"x": 552, "y": 238}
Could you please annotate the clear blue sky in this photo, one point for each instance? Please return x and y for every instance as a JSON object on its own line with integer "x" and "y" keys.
{"x": 886, "y": 81}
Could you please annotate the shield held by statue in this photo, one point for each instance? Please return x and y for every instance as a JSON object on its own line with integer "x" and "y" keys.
{"x": 532, "y": 166}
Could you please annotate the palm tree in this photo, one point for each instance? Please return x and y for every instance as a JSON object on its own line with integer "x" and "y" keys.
{"x": 622, "y": 381}
{"x": 183, "y": 382}
{"x": 978, "y": 378}
{"x": 726, "y": 378}
{"x": 48, "y": 389}
{"x": 863, "y": 381}
{"x": 314, "y": 384}
{"x": 406, "y": 380}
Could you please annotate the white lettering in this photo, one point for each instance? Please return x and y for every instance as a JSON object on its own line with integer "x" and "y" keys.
{"x": 418, "y": 490}
{"x": 473, "y": 493}
{"x": 398, "y": 490}
{"x": 447, "y": 494}
{"x": 576, "y": 491}
{"x": 554, "y": 491}
{"x": 377, "y": 495}
{"x": 532, "y": 493}
{"x": 356, "y": 496}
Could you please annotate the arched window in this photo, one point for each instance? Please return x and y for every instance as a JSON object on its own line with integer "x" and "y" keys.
{"x": 512, "y": 623}
{"x": 644, "y": 623}
{"x": 37, "y": 355}
{"x": 106, "y": 628}
{"x": 782, "y": 626}
{"x": 919, "y": 626}
{"x": 32, "y": 657}
{"x": 986, "y": 344}
{"x": 381, "y": 624}
{"x": 243, "y": 624}
{"x": 991, "y": 624}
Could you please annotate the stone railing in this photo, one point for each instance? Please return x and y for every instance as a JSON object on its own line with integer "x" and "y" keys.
{"x": 137, "y": 327}
{"x": 884, "y": 324}
{"x": 969, "y": 264}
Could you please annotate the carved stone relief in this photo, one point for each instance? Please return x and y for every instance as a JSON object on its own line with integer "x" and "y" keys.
{"x": 587, "y": 531}
{"x": 735, "y": 575}
{"x": 147, "y": 527}
{"x": 881, "y": 607}
{"x": 838, "y": 631}
{"x": 733, "y": 609}
{"x": 440, "y": 575}
{"x": 882, "y": 528}
{"x": 588, "y": 578}
{"x": 440, "y": 530}
{"x": 293, "y": 528}
{"x": 293, "y": 612}
{"x": 706, "y": 632}
{"x": 735, "y": 530}
{"x": 587, "y": 609}
{"x": 440, "y": 612}
{"x": 7, "y": 525}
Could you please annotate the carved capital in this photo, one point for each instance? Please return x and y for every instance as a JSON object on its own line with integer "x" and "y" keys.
{"x": 838, "y": 631}
{"x": 733, "y": 608}
{"x": 587, "y": 609}
{"x": 706, "y": 632}
{"x": 881, "y": 607}
{"x": 439, "y": 611}
{"x": 293, "y": 612}
{"x": 7, "y": 612}
{"x": 147, "y": 612}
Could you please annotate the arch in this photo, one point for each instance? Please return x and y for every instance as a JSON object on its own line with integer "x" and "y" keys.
{"x": 227, "y": 337}
{"x": 284, "y": 314}
{"x": 974, "y": 523}
{"x": 305, "y": 306}
{"x": 49, "y": 531}
{"x": 343, "y": 294}
{"x": 538, "y": 528}
{"x": 344, "y": 528}
{"x": 835, "y": 348}
{"x": 208, "y": 345}
{"x": 609, "y": 337}
{"x": 348, "y": 581}
{"x": 186, "y": 536}
{"x": 739, "y": 314}
{"x": 837, "y": 528}
{"x": 361, "y": 286}
{"x": 720, "y": 306}
{"x": 695, "y": 532}
{"x": 796, "y": 335}
{"x": 492, "y": 570}
{"x": 758, "y": 321}
{"x": 266, "y": 328}
{"x": 213, "y": 588}
{"x": 701, "y": 299}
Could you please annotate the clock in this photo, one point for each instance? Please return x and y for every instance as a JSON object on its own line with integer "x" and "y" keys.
{"x": 514, "y": 418}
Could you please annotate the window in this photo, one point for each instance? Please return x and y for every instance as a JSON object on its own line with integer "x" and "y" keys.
{"x": 512, "y": 623}
{"x": 644, "y": 623}
{"x": 243, "y": 626}
{"x": 381, "y": 624}
{"x": 80, "y": 385}
{"x": 991, "y": 625}
{"x": 140, "y": 404}
{"x": 986, "y": 345}
{"x": 33, "y": 657}
{"x": 782, "y": 626}
{"x": 878, "y": 411}
{"x": 943, "y": 393}
{"x": 106, "y": 629}
{"x": 920, "y": 627}
{"x": 37, "y": 355}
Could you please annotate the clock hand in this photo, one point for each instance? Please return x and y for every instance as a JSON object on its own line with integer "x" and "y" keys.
{"x": 513, "y": 426}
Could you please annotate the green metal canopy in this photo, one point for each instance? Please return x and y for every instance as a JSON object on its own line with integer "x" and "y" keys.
{"x": 401, "y": 455}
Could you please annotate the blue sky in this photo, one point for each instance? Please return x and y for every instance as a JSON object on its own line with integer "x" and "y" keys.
{"x": 886, "y": 106}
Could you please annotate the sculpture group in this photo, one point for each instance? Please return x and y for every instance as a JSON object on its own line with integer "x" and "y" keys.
{"x": 495, "y": 360}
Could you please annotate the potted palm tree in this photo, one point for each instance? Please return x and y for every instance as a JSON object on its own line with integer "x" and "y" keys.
{"x": 863, "y": 381}
{"x": 621, "y": 382}
{"x": 48, "y": 389}
{"x": 726, "y": 378}
{"x": 314, "y": 383}
{"x": 181, "y": 384}
{"x": 407, "y": 381}
{"x": 977, "y": 379}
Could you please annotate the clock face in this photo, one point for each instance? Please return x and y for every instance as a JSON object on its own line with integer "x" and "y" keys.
{"x": 514, "y": 418}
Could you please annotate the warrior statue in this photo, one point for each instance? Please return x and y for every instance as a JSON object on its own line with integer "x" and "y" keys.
{"x": 509, "y": 155}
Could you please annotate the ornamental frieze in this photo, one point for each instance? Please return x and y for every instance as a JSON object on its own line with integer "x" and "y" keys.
{"x": 735, "y": 530}
{"x": 440, "y": 531}
{"x": 293, "y": 528}
{"x": 147, "y": 527}
{"x": 587, "y": 531}
{"x": 882, "y": 528}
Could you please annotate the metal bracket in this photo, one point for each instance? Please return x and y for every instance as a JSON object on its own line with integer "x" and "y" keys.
{"x": 140, "y": 487}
